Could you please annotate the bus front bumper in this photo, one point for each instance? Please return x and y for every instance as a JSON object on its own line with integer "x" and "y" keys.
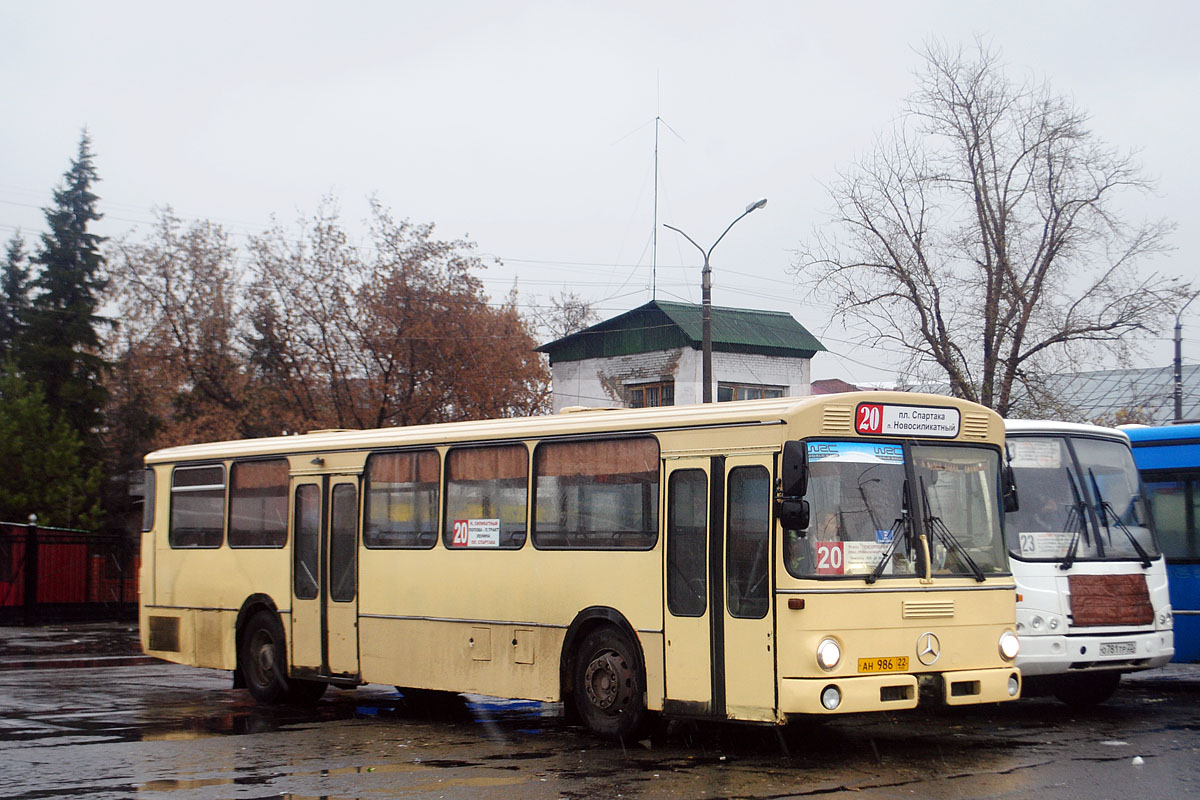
{"x": 857, "y": 693}
{"x": 1056, "y": 654}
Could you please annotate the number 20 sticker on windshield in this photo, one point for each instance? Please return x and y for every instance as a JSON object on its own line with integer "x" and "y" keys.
{"x": 886, "y": 419}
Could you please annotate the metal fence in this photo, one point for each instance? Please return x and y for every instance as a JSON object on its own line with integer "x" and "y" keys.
{"x": 59, "y": 574}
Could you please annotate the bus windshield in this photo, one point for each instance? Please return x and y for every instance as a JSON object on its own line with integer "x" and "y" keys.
{"x": 865, "y": 516}
{"x": 1080, "y": 499}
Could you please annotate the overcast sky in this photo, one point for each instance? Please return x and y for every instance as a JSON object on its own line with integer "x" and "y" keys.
{"x": 528, "y": 127}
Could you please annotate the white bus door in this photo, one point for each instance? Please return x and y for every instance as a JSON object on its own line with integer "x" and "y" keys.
{"x": 324, "y": 632}
{"x": 719, "y": 657}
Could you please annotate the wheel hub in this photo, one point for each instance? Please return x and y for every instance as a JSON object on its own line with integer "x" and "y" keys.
{"x": 605, "y": 680}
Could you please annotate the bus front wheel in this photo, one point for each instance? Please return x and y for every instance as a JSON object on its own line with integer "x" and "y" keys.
{"x": 610, "y": 694}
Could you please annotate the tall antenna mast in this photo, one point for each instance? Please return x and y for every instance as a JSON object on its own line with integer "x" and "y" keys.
{"x": 654, "y": 241}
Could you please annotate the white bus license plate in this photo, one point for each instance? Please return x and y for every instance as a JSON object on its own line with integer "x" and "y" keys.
{"x": 1118, "y": 648}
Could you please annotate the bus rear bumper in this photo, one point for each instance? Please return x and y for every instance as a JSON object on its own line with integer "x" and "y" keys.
{"x": 860, "y": 693}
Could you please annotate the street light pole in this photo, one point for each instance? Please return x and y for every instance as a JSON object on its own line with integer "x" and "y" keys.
{"x": 1179, "y": 360}
{"x": 706, "y": 298}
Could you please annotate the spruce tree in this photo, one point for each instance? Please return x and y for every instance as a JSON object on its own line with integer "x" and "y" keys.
{"x": 14, "y": 294}
{"x": 59, "y": 347}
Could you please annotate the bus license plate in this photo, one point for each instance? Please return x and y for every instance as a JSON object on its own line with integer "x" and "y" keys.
{"x": 893, "y": 664}
{"x": 1118, "y": 648}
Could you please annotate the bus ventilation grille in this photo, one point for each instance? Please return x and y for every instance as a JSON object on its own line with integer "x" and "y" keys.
{"x": 837, "y": 420}
{"x": 928, "y": 609}
{"x": 975, "y": 426}
{"x": 164, "y": 634}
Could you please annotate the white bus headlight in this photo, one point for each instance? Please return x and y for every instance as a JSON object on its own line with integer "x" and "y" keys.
{"x": 1165, "y": 619}
{"x": 1010, "y": 645}
{"x": 829, "y": 653}
{"x": 831, "y": 697}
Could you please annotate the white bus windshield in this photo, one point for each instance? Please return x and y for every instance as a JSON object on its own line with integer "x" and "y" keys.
{"x": 1080, "y": 499}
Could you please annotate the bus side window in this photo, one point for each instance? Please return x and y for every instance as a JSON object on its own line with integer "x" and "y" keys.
{"x": 307, "y": 545}
{"x": 687, "y": 526}
{"x": 748, "y": 539}
{"x": 486, "y": 497}
{"x": 401, "y": 499}
{"x": 596, "y": 494}
{"x": 258, "y": 503}
{"x": 197, "y": 506}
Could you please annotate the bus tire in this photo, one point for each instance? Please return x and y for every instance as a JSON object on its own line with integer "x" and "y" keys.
{"x": 609, "y": 691}
{"x": 1087, "y": 688}
{"x": 261, "y": 662}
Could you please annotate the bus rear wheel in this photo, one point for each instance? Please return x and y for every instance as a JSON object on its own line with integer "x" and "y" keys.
{"x": 1087, "y": 688}
{"x": 609, "y": 690}
{"x": 263, "y": 667}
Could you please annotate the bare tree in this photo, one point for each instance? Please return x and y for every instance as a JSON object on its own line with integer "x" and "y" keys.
{"x": 568, "y": 313}
{"x": 398, "y": 333}
{"x": 178, "y": 291}
{"x": 984, "y": 236}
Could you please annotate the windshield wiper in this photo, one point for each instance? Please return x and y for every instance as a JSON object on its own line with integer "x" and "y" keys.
{"x": 1106, "y": 511}
{"x": 1076, "y": 522}
{"x": 900, "y": 527}
{"x": 935, "y": 525}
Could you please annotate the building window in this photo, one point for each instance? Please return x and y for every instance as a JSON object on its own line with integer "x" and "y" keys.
{"x": 746, "y": 391}
{"x": 649, "y": 395}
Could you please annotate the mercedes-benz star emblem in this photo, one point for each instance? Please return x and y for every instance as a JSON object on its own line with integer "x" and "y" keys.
{"x": 928, "y": 649}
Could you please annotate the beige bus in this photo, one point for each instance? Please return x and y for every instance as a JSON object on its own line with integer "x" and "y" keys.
{"x": 748, "y": 560}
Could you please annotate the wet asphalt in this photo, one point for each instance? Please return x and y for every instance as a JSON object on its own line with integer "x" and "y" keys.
{"x": 84, "y": 714}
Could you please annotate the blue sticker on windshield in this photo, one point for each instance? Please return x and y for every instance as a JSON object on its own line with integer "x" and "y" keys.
{"x": 856, "y": 452}
{"x": 883, "y": 537}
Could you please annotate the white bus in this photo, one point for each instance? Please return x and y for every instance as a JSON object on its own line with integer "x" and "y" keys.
{"x": 1091, "y": 583}
{"x": 747, "y": 560}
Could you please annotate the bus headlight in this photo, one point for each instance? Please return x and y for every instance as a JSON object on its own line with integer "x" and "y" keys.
{"x": 831, "y": 697}
{"x": 1014, "y": 685}
{"x": 1010, "y": 645}
{"x": 1165, "y": 619}
{"x": 829, "y": 653}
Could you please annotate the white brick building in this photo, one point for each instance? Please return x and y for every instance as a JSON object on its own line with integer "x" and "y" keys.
{"x": 651, "y": 356}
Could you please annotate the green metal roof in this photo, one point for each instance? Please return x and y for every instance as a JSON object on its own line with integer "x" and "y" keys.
{"x": 667, "y": 326}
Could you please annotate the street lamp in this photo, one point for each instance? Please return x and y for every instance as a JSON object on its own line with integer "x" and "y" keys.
{"x": 706, "y": 297}
{"x": 1179, "y": 360}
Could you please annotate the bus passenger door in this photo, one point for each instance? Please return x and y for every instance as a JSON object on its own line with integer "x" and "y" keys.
{"x": 341, "y": 612}
{"x": 688, "y": 619}
{"x": 325, "y": 577}
{"x": 305, "y": 634}
{"x": 749, "y": 645}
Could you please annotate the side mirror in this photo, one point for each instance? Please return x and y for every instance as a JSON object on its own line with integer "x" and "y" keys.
{"x": 793, "y": 515}
{"x": 1009, "y": 490}
{"x": 793, "y": 474}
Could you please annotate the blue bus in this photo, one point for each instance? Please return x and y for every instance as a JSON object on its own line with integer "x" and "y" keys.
{"x": 1168, "y": 459}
